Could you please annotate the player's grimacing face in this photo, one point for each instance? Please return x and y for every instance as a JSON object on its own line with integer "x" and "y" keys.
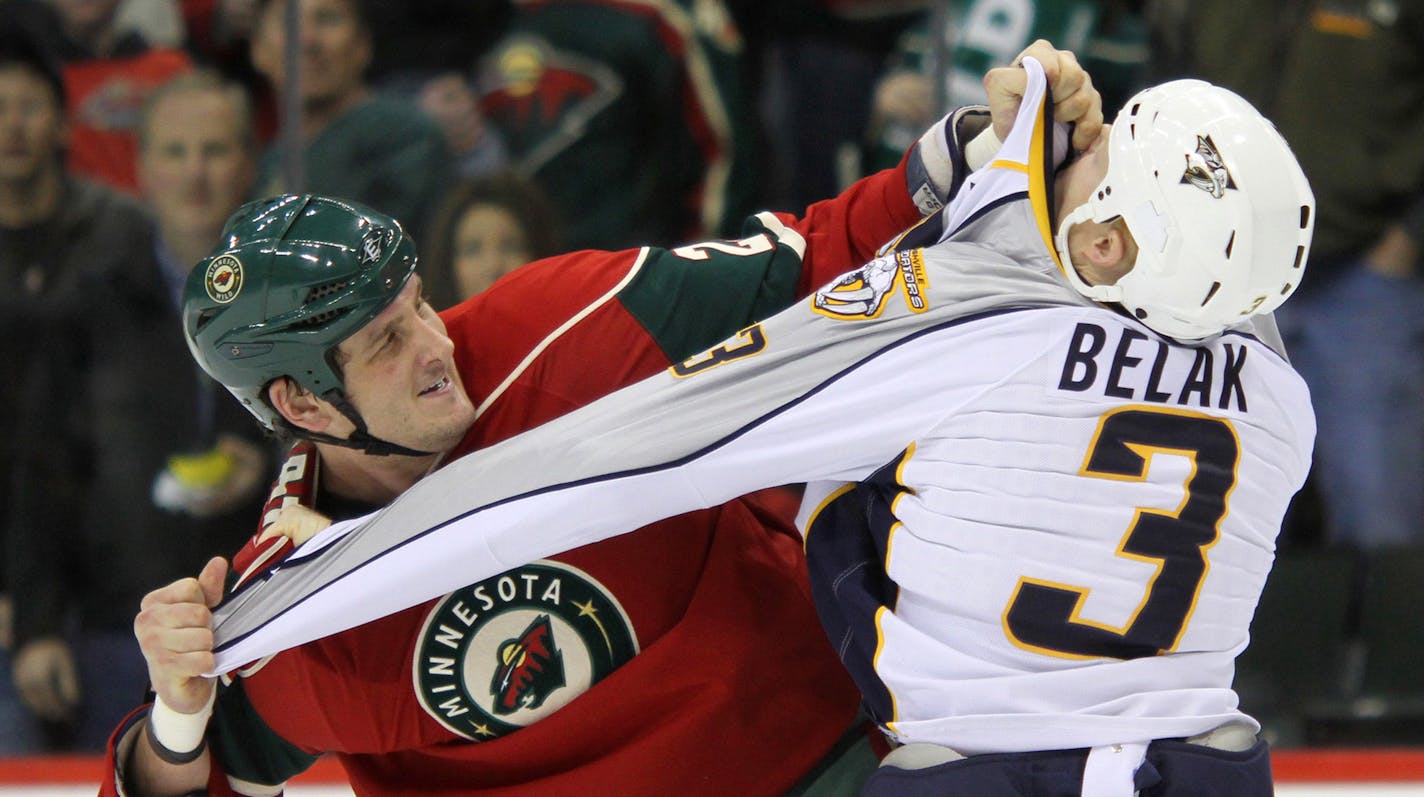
{"x": 400, "y": 375}
{"x": 1074, "y": 186}
{"x": 1079, "y": 179}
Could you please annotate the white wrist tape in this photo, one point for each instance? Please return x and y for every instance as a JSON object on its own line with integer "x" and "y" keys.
{"x": 982, "y": 149}
{"x": 180, "y": 733}
{"x": 934, "y": 153}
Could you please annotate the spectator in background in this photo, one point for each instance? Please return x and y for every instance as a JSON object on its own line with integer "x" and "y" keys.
{"x": 819, "y": 62}
{"x": 66, "y": 245}
{"x": 373, "y": 149}
{"x": 122, "y": 476}
{"x": 197, "y": 163}
{"x": 219, "y": 32}
{"x": 197, "y": 160}
{"x": 1355, "y": 330}
{"x": 424, "y": 39}
{"x": 32, "y": 189}
{"x": 426, "y": 53}
{"x": 108, "y": 74}
{"x": 450, "y": 100}
{"x": 484, "y": 229}
{"x": 158, "y": 21}
{"x": 978, "y": 34}
{"x": 640, "y": 133}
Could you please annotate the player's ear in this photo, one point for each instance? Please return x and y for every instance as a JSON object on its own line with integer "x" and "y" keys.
{"x": 1109, "y": 253}
{"x": 300, "y": 406}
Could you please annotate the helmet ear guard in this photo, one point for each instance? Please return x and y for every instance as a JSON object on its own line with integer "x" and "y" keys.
{"x": 1217, "y": 204}
{"x": 292, "y": 277}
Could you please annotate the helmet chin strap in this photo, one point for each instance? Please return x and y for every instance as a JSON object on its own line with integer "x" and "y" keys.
{"x": 1098, "y": 293}
{"x": 360, "y": 439}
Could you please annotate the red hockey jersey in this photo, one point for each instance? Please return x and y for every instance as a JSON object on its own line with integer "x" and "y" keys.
{"x": 685, "y": 658}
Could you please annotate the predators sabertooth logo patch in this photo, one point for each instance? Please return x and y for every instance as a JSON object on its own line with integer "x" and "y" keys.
{"x": 861, "y": 294}
{"x": 508, "y": 651}
{"x": 1206, "y": 170}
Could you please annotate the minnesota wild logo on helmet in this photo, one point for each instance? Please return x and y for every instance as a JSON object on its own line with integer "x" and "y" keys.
{"x": 292, "y": 277}
{"x": 223, "y": 278}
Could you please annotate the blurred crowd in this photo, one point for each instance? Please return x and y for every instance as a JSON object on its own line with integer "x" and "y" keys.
{"x": 501, "y": 132}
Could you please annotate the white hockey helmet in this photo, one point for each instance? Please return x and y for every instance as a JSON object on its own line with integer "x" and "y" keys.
{"x": 1218, "y": 206}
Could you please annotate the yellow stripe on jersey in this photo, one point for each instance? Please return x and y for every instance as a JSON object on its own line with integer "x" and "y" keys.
{"x": 875, "y": 662}
{"x": 821, "y": 507}
{"x": 885, "y": 567}
{"x": 1038, "y": 177}
{"x": 900, "y": 480}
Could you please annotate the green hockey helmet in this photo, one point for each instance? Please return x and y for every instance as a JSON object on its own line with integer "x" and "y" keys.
{"x": 292, "y": 277}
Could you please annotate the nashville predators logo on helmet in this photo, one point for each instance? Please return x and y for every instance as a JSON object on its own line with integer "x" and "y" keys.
{"x": 1205, "y": 169}
{"x": 508, "y": 651}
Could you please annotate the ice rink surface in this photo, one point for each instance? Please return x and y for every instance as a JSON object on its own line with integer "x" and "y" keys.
{"x": 1339, "y": 772}
{"x": 1282, "y": 790}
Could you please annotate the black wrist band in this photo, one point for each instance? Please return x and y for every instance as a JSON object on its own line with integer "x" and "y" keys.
{"x": 168, "y": 756}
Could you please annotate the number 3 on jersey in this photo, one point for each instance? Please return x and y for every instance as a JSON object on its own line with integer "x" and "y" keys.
{"x": 745, "y": 343}
{"x": 1045, "y": 617}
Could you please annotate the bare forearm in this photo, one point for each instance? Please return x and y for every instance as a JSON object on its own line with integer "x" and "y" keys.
{"x": 146, "y": 774}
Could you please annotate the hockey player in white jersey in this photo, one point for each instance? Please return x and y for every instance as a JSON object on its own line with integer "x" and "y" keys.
{"x": 1045, "y": 470}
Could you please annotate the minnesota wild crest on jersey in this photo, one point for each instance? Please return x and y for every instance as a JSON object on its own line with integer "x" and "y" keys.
{"x": 510, "y": 650}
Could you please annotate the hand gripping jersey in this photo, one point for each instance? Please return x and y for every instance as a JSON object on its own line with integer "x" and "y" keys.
{"x": 1033, "y": 523}
{"x": 683, "y": 659}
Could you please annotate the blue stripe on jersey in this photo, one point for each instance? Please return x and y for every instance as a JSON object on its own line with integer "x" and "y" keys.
{"x": 931, "y": 230}
{"x": 846, "y": 543}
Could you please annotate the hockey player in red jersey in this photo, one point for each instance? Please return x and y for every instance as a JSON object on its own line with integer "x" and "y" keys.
{"x": 681, "y": 659}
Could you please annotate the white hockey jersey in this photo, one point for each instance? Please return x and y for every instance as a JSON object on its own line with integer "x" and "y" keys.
{"x": 1032, "y": 523}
